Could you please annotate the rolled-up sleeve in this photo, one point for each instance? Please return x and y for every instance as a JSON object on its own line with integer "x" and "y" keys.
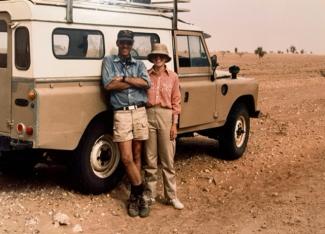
{"x": 107, "y": 71}
{"x": 143, "y": 73}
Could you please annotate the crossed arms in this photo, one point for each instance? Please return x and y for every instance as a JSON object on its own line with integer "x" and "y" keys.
{"x": 114, "y": 81}
{"x": 118, "y": 84}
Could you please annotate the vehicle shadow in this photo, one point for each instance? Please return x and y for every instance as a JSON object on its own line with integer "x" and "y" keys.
{"x": 20, "y": 176}
{"x": 188, "y": 147}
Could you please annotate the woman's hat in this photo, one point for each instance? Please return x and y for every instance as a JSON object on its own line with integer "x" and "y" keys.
{"x": 159, "y": 49}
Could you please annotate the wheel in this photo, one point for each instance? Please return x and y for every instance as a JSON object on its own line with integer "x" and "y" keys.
{"x": 97, "y": 161}
{"x": 235, "y": 133}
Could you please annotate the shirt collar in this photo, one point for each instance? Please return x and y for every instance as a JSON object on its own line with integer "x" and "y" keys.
{"x": 117, "y": 59}
{"x": 152, "y": 71}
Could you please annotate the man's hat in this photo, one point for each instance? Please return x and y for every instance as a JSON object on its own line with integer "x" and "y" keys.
{"x": 125, "y": 35}
{"x": 159, "y": 49}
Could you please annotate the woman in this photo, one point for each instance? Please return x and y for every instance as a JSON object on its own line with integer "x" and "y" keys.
{"x": 164, "y": 99}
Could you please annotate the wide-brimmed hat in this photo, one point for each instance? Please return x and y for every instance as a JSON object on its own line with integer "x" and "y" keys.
{"x": 159, "y": 49}
{"x": 125, "y": 35}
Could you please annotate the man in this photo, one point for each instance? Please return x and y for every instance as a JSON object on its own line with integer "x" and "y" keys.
{"x": 127, "y": 80}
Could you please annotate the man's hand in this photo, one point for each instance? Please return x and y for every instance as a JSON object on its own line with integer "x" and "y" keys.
{"x": 117, "y": 84}
{"x": 137, "y": 82}
{"x": 173, "y": 132}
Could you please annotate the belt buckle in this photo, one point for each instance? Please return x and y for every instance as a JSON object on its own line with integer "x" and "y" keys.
{"x": 133, "y": 107}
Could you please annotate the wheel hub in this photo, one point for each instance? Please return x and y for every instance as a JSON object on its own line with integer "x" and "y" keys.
{"x": 104, "y": 157}
{"x": 240, "y": 131}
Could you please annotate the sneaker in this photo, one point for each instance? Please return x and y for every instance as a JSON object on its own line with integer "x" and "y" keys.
{"x": 133, "y": 208}
{"x": 176, "y": 203}
{"x": 144, "y": 208}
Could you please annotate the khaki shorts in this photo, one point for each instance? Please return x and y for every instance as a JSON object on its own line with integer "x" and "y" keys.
{"x": 130, "y": 124}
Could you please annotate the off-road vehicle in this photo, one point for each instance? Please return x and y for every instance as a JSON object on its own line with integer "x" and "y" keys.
{"x": 51, "y": 96}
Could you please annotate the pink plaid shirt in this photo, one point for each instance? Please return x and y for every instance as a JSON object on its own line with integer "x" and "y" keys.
{"x": 165, "y": 91}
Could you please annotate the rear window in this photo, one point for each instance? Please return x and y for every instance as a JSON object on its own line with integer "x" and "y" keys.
{"x": 78, "y": 44}
{"x": 22, "y": 49}
{"x": 3, "y": 44}
{"x": 143, "y": 43}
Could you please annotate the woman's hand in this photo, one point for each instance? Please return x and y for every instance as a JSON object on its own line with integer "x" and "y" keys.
{"x": 173, "y": 132}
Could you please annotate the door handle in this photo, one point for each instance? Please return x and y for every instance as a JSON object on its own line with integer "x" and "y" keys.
{"x": 186, "y": 97}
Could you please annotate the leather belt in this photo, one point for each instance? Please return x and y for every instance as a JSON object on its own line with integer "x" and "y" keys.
{"x": 132, "y": 107}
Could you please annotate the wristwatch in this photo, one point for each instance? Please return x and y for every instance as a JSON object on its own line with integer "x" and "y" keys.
{"x": 124, "y": 77}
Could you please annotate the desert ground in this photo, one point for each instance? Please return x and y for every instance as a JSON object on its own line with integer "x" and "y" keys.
{"x": 278, "y": 186}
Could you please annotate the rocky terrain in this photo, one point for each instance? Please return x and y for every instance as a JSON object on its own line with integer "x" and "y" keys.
{"x": 276, "y": 187}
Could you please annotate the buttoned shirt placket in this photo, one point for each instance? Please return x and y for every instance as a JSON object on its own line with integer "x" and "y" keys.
{"x": 158, "y": 89}
{"x": 125, "y": 73}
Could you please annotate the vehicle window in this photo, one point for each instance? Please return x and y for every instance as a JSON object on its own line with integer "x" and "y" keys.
{"x": 95, "y": 46}
{"x": 78, "y": 44}
{"x": 61, "y": 44}
{"x": 183, "y": 51}
{"x": 22, "y": 49}
{"x": 3, "y": 44}
{"x": 143, "y": 44}
{"x": 191, "y": 52}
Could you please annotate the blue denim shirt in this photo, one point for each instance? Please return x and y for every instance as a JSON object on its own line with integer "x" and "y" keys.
{"x": 114, "y": 67}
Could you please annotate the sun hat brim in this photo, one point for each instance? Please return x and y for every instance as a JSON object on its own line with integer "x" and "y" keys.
{"x": 153, "y": 54}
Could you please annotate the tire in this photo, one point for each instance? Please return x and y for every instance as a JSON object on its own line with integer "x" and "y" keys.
{"x": 97, "y": 166}
{"x": 234, "y": 137}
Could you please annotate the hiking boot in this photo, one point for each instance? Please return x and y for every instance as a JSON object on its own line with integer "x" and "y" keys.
{"x": 176, "y": 204}
{"x": 143, "y": 205}
{"x": 150, "y": 200}
{"x": 133, "y": 208}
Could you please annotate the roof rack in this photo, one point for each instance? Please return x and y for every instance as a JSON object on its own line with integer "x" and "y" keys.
{"x": 170, "y": 2}
{"x": 156, "y": 5}
{"x": 160, "y": 6}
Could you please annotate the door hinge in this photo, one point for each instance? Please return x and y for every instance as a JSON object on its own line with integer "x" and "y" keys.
{"x": 10, "y": 123}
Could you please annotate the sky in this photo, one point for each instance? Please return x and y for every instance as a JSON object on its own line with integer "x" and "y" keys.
{"x": 247, "y": 24}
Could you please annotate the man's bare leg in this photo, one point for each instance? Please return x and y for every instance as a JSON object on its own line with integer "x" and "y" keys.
{"x": 129, "y": 162}
{"x": 137, "y": 150}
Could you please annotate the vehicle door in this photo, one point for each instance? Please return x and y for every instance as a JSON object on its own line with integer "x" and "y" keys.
{"x": 5, "y": 73}
{"x": 197, "y": 89}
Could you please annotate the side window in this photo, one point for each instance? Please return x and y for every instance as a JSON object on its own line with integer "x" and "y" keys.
{"x": 191, "y": 52}
{"x": 61, "y": 44}
{"x": 3, "y": 44}
{"x": 22, "y": 50}
{"x": 78, "y": 44}
{"x": 143, "y": 44}
{"x": 183, "y": 51}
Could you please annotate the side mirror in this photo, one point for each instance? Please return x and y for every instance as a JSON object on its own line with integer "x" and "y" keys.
{"x": 214, "y": 63}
